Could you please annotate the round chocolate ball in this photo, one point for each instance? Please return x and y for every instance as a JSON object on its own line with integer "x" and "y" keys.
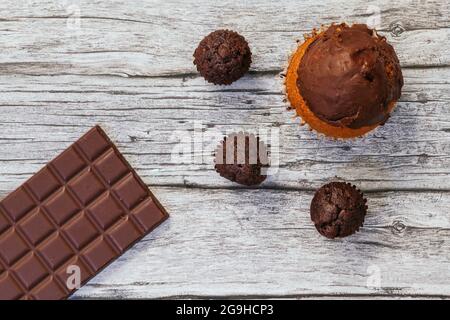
{"x": 223, "y": 57}
{"x": 242, "y": 158}
{"x": 338, "y": 209}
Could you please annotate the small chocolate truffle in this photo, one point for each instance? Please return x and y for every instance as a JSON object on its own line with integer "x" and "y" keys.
{"x": 242, "y": 158}
{"x": 349, "y": 76}
{"x": 338, "y": 209}
{"x": 222, "y": 57}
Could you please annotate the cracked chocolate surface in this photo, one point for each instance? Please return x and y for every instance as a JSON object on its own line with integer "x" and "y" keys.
{"x": 223, "y": 57}
{"x": 242, "y": 158}
{"x": 338, "y": 209}
{"x": 349, "y": 75}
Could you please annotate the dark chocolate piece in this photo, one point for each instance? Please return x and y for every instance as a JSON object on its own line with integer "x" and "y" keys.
{"x": 349, "y": 75}
{"x": 222, "y": 57}
{"x": 82, "y": 211}
{"x": 338, "y": 209}
{"x": 242, "y": 158}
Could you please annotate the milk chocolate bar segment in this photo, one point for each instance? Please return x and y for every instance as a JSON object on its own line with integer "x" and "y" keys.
{"x": 75, "y": 216}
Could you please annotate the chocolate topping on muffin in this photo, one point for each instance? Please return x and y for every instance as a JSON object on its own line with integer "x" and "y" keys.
{"x": 242, "y": 158}
{"x": 222, "y": 57}
{"x": 338, "y": 209}
{"x": 349, "y": 75}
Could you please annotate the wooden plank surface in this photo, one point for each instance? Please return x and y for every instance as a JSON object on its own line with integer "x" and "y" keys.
{"x": 261, "y": 242}
{"x": 129, "y": 68}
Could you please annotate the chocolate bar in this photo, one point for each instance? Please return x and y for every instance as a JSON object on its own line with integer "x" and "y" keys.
{"x": 71, "y": 219}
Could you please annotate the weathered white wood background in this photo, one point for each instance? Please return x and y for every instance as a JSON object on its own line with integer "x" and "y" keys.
{"x": 127, "y": 65}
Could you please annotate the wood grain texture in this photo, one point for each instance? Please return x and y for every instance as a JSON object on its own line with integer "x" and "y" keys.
{"x": 159, "y": 37}
{"x": 263, "y": 243}
{"x": 128, "y": 66}
{"x": 151, "y": 119}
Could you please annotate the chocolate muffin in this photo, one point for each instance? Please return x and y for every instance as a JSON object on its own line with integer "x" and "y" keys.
{"x": 223, "y": 57}
{"x": 242, "y": 158}
{"x": 338, "y": 209}
{"x": 344, "y": 81}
